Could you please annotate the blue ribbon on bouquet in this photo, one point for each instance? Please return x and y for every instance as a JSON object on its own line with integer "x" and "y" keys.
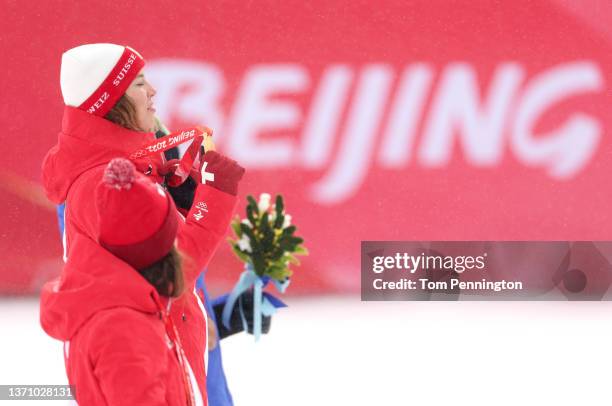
{"x": 264, "y": 304}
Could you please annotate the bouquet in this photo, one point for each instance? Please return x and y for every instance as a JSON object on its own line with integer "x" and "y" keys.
{"x": 266, "y": 243}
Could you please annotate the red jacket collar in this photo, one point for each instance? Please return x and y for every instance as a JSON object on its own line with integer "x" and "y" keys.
{"x": 85, "y": 142}
{"x": 102, "y": 132}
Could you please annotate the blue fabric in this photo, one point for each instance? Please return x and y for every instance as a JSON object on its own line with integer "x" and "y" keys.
{"x": 216, "y": 384}
{"x": 262, "y": 303}
{"x": 60, "y": 218}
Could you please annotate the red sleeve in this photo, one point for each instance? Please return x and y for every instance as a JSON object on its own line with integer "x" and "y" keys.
{"x": 129, "y": 358}
{"x": 198, "y": 238}
{"x": 203, "y": 230}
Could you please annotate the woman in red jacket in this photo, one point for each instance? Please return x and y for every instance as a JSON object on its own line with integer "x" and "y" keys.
{"x": 109, "y": 113}
{"x": 111, "y": 303}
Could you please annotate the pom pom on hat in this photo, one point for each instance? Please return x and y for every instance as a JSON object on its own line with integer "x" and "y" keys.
{"x": 137, "y": 219}
{"x": 119, "y": 174}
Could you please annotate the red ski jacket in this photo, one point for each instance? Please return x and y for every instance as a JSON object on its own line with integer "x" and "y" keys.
{"x": 73, "y": 168}
{"x": 117, "y": 350}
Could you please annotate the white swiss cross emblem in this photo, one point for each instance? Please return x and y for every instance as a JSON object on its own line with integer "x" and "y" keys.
{"x": 207, "y": 176}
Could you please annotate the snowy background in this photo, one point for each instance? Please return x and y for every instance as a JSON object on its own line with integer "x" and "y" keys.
{"x": 213, "y": 65}
{"x": 341, "y": 351}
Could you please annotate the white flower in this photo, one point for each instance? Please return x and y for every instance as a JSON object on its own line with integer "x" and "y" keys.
{"x": 287, "y": 221}
{"x": 247, "y": 223}
{"x": 245, "y": 244}
{"x": 264, "y": 202}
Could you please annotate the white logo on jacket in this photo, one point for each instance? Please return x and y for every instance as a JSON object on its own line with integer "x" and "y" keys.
{"x": 202, "y": 207}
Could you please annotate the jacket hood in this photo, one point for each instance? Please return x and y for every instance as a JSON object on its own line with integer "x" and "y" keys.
{"x": 87, "y": 141}
{"x": 93, "y": 280}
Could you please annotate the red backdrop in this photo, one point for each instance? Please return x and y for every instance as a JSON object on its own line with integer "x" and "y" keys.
{"x": 405, "y": 120}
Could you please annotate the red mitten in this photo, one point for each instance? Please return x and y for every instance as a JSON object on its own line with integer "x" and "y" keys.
{"x": 221, "y": 172}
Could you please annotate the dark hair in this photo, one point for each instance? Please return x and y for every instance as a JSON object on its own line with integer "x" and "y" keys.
{"x": 123, "y": 113}
{"x": 166, "y": 275}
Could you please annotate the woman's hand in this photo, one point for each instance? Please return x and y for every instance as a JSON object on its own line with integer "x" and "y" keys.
{"x": 221, "y": 172}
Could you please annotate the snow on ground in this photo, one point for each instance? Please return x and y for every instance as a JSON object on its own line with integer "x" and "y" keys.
{"x": 340, "y": 351}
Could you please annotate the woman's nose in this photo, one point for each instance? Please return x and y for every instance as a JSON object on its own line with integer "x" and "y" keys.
{"x": 152, "y": 91}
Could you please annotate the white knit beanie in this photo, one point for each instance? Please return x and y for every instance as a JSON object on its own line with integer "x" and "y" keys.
{"x": 94, "y": 76}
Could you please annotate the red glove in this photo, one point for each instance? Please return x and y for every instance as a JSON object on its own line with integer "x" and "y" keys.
{"x": 221, "y": 172}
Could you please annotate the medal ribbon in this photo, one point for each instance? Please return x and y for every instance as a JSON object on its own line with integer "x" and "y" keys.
{"x": 177, "y": 171}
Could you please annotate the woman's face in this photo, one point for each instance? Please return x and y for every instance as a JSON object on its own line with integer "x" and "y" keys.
{"x": 141, "y": 94}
